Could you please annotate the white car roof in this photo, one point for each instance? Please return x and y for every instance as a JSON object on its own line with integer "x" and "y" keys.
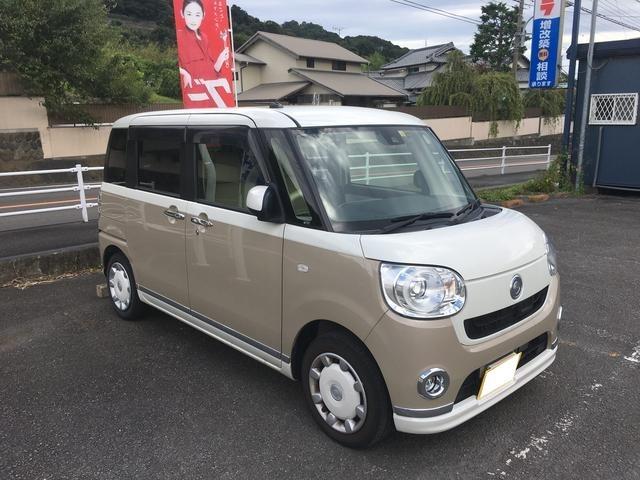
{"x": 285, "y": 117}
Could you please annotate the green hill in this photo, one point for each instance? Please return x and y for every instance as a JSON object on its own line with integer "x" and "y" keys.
{"x": 151, "y": 21}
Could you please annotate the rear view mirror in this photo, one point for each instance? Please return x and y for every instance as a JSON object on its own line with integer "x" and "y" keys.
{"x": 263, "y": 202}
{"x": 420, "y": 182}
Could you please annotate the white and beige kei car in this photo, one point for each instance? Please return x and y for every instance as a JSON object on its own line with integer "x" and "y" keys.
{"x": 340, "y": 246}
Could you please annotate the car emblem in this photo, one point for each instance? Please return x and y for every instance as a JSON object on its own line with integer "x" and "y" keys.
{"x": 516, "y": 286}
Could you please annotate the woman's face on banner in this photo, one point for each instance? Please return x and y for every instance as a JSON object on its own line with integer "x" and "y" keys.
{"x": 193, "y": 16}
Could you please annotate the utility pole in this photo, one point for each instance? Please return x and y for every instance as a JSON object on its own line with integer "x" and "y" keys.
{"x": 519, "y": 40}
{"x": 586, "y": 93}
{"x": 571, "y": 82}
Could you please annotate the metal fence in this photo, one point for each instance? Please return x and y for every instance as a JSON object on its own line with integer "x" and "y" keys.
{"x": 367, "y": 171}
{"x": 81, "y": 187}
{"x": 504, "y": 157}
{"x": 370, "y": 170}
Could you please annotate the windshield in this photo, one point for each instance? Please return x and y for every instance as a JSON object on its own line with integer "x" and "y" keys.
{"x": 372, "y": 176}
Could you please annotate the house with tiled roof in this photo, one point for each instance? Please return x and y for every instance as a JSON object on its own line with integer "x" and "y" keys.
{"x": 415, "y": 70}
{"x": 281, "y": 68}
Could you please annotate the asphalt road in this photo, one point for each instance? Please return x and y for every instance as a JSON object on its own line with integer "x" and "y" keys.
{"x": 85, "y": 395}
{"x": 35, "y": 202}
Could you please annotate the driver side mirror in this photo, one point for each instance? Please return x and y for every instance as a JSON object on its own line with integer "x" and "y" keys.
{"x": 262, "y": 201}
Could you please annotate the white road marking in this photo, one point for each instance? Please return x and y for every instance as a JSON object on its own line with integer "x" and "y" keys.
{"x": 635, "y": 356}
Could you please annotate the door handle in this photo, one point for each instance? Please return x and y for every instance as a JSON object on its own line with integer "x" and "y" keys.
{"x": 201, "y": 222}
{"x": 174, "y": 213}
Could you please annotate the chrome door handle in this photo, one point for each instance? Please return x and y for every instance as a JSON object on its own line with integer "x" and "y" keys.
{"x": 201, "y": 222}
{"x": 174, "y": 214}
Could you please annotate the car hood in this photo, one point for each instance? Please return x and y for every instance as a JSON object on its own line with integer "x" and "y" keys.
{"x": 476, "y": 249}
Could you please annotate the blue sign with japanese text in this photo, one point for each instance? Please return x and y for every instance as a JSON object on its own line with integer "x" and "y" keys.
{"x": 546, "y": 42}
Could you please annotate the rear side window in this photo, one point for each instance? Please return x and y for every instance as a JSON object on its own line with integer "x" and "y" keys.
{"x": 159, "y": 165}
{"x": 115, "y": 170}
{"x": 227, "y": 168}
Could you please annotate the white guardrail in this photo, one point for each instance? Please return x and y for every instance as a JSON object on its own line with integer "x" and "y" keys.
{"x": 79, "y": 187}
{"x": 544, "y": 158}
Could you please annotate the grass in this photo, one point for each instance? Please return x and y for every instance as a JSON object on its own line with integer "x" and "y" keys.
{"x": 552, "y": 181}
{"x": 155, "y": 98}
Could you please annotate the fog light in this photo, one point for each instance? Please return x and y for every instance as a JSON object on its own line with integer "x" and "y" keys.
{"x": 433, "y": 383}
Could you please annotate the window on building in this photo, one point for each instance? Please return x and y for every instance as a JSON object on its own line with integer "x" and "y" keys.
{"x": 115, "y": 170}
{"x": 159, "y": 165}
{"x": 613, "y": 109}
{"x": 311, "y": 62}
{"x": 226, "y": 169}
{"x": 414, "y": 69}
{"x": 339, "y": 65}
{"x": 236, "y": 75}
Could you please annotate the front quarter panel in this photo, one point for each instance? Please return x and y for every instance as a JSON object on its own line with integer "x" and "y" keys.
{"x": 326, "y": 277}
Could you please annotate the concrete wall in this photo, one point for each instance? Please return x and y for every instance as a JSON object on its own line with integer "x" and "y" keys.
{"x": 553, "y": 127}
{"x": 451, "y": 128}
{"x": 528, "y": 126}
{"x": 20, "y": 114}
{"x": 77, "y": 141}
{"x": 27, "y": 114}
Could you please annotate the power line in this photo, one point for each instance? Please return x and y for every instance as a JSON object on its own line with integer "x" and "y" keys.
{"x": 437, "y": 11}
{"x": 614, "y": 11}
{"x": 609, "y": 19}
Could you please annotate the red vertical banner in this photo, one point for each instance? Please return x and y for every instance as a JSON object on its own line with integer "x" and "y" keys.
{"x": 205, "y": 53}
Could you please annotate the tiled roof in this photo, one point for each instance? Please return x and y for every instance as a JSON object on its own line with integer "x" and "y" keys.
{"x": 304, "y": 47}
{"x": 420, "y": 56}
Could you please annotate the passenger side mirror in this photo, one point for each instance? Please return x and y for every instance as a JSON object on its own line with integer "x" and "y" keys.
{"x": 262, "y": 200}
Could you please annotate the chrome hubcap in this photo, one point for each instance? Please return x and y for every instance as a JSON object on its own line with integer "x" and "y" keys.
{"x": 119, "y": 286}
{"x": 337, "y": 392}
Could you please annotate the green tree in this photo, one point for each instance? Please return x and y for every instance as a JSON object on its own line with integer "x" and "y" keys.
{"x": 455, "y": 85}
{"x": 550, "y": 101}
{"x": 376, "y": 60}
{"x": 65, "y": 51}
{"x": 494, "y": 95}
{"x": 495, "y": 39}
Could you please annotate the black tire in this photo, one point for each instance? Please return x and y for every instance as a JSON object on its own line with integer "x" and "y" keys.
{"x": 378, "y": 421}
{"x": 135, "y": 308}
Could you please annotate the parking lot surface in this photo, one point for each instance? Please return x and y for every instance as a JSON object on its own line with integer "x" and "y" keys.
{"x": 86, "y": 395}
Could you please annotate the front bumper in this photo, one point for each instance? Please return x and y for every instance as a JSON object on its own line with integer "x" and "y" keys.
{"x": 470, "y": 407}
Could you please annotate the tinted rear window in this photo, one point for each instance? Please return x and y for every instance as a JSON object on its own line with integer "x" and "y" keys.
{"x": 115, "y": 170}
{"x": 159, "y": 165}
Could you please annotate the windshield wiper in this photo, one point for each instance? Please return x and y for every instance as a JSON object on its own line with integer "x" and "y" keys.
{"x": 400, "y": 222}
{"x": 466, "y": 210}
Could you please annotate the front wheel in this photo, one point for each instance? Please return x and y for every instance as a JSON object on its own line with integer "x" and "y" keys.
{"x": 345, "y": 391}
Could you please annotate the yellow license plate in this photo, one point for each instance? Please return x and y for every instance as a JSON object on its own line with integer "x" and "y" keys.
{"x": 499, "y": 375}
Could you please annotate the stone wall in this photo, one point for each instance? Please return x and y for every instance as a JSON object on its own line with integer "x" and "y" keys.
{"x": 19, "y": 149}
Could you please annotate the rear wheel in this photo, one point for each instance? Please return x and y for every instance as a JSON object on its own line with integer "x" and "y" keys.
{"x": 123, "y": 290}
{"x": 345, "y": 391}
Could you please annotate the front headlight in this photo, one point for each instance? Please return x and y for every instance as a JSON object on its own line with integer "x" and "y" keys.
{"x": 422, "y": 292}
{"x": 552, "y": 260}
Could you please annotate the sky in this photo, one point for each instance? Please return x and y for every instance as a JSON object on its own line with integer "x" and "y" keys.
{"x": 413, "y": 28}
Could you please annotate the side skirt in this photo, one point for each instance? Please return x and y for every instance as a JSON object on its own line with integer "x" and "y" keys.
{"x": 231, "y": 338}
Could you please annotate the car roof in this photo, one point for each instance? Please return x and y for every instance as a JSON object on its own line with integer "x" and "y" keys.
{"x": 280, "y": 117}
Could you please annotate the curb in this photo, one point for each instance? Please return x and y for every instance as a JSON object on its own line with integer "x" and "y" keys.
{"x": 49, "y": 263}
